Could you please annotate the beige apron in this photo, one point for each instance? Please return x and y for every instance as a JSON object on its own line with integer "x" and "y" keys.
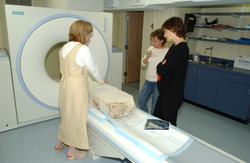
{"x": 73, "y": 101}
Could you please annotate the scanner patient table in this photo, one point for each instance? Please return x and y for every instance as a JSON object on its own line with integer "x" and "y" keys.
{"x": 125, "y": 138}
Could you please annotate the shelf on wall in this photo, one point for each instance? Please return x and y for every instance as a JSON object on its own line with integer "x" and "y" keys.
{"x": 236, "y": 14}
{"x": 229, "y": 28}
{"x": 192, "y": 38}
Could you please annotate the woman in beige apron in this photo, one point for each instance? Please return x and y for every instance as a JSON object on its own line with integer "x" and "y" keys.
{"x": 75, "y": 62}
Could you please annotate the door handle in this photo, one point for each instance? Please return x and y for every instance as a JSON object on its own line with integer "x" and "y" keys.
{"x": 236, "y": 78}
{"x": 194, "y": 70}
{"x": 199, "y": 71}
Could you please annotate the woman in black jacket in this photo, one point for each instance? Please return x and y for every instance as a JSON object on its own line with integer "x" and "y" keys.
{"x": 172, "y": 71}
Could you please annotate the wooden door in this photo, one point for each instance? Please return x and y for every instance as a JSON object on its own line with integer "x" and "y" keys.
{"x": 134, "y": 42}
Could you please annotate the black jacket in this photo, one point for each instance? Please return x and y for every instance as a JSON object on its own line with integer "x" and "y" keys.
{"x": 173, "y": 72}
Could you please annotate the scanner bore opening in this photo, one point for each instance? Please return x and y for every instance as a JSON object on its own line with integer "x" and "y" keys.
{"x": 52, "y": 65}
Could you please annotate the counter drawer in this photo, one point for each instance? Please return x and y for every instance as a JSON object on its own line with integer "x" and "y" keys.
{"x": 235, "y": 77}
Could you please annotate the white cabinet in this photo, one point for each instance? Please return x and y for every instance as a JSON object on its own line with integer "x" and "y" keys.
{"x": 116, "y": 69}
{"x": 8, "y": 119}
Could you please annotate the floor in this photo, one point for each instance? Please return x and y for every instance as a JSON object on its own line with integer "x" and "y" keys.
{"x": 35, "y": 143}
{"x": 134, "y": 85}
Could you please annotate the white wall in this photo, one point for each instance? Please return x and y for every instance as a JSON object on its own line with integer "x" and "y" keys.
{"x": 2, "y": 2}
{"x": 37, "y": 3}
{"x": 86, "y": 5}
{"x": 244, "y": 50}
{"x": 119, "y": 35}
{"x": 62, "y": 4}
{"x": 118, "y": 20}
{"x": 1, "y": 36}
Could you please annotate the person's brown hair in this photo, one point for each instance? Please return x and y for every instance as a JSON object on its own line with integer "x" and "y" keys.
{"x": 79, "y": 30}
{"x": 176, "y": 25}
{"x": 159, "y": 33}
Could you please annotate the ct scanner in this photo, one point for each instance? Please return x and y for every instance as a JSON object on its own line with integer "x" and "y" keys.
{"x": 28, "y": 35}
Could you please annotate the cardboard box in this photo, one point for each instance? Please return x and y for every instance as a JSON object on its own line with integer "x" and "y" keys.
{"x": 242, "y": 62}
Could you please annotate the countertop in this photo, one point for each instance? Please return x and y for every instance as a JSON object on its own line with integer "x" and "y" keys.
{"x": 229, "y": 69}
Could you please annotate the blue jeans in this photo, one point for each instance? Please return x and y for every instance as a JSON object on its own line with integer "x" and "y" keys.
{"x": 148, "y": 89}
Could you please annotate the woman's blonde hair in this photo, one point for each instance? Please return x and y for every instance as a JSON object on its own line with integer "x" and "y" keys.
{"x": 79, "y": 30}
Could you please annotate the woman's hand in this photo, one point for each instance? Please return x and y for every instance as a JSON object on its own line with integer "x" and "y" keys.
{"x": 149, "y": 53}
{"x": 105, "y": 80}
{"x": 164, "y": 61}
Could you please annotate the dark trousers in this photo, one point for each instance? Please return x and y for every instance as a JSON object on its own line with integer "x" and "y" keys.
{"x": 167, "y": 106}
